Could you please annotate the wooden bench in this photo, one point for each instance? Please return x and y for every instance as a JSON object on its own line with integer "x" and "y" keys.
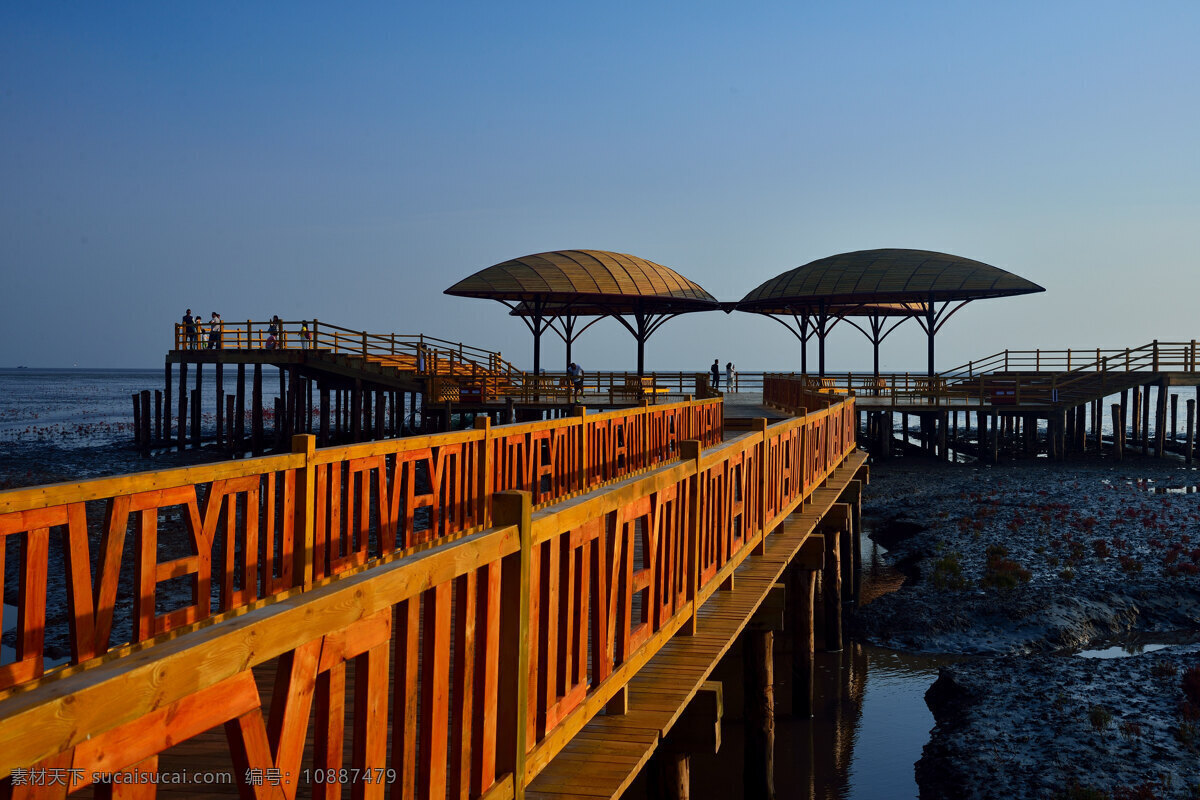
{"x": 637, "y": 388}
{"x": 825, "y": 385}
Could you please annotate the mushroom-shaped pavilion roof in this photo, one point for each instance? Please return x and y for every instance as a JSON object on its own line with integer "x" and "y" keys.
{"x": 889, "y": 275}
{"x": 598, "y": 279}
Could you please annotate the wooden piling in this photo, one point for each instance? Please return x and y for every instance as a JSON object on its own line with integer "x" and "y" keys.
{"x": 183, "y": 404}
{"x": 168, "y": 410}
{"x": 239, "y": 431}
{"x": 220, "y": 390}
{"x": 1146, "y": 420}
{"x": 758, "y": 776}
{"x": 1160, "y": 420}
{"x": 801, "y": 597}
{"x": 1175, "y": 417}
{"x": 1135, "y": 422}
{"x": 279, "y": 422}
{"x": 196, "y": 399}
{"x": 137, "y": 421}
{"x": 355, "y": 411}
{"x": 230, "y": 411}
{"x": 831, "y": 589}
{"x": 256, "y": 412}
{"x": 380, "y": 413}
{"x": 1191, "y": 429}
{"x": 197, "y": 404}
{"x": 324, "y": 433}
{"x": 158, "y": 415}
{"x": 1118, "y": 420}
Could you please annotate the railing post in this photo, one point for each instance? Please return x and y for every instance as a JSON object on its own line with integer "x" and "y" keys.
{"x": 484, "y": 424}
{"x": 584, "y": 447}
{"x": 1155, "y": 367}
{"x": 314, "y": 333}
{"x": 302, "y": 541}
{"x": 759, "y": 426}
{"x": 689, "y": 451}
{"x": 364, "y": 344}
{"x": 514, "y": 508}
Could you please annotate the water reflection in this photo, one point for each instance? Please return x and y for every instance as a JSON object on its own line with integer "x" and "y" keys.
{"x": 870, "y": 725}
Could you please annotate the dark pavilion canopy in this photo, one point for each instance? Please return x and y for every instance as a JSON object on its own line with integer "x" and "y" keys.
{"x": 566, "y": 284}
{"x": 881, "y": 283}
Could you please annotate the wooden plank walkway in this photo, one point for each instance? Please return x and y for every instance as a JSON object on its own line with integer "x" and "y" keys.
{"x": 610, "y": 751}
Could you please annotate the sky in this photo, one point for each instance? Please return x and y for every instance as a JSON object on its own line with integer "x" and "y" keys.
{"x": 348, "y": 162}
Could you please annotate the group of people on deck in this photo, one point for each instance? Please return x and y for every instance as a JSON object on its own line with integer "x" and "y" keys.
{"x": 715, "y": 372}
{"x": 194, "y": 328}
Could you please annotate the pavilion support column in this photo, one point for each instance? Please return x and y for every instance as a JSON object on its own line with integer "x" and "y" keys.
{"x": 1160, "y": 420}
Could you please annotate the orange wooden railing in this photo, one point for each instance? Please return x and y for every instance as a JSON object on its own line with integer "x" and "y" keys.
{"x": 507, "y": 642}
{"x": 211, "y": 539}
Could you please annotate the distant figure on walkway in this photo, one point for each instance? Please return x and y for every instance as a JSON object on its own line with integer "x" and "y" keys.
{"x": 304, "y": 334}
{"x": 575, "y": 373}
{"x": 273, "y": 331}
{"x": 715, "y": 370}
{"x": 729, "y": 376}
{"x": 214, "y": 332}
{"x": 189, "y": 329}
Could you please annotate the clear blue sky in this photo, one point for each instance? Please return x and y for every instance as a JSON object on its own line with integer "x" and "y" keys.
{"x": 351, "y": 161}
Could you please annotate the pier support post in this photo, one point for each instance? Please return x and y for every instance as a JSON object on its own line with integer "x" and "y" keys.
{"x": 833, "y": 527}
{"x": 1174, "y": 418}
{"x": 1145, "y": 431}
{"x": 220, "y": 395}
{"x": 144, "y": 415}
{"x": 230, "y": 407}
{"x": 1118, "y": 421}
{"x": 758, "y": 650}
{"x": 168, "y": 410}
{"x": 1160, "y": 420}
{"x": 195, "y": 418}
{"x": 324, "y": 414}
{"x": 183, "y": 405}
{"x": 256, "y": 412}
{"x": 697, "y": 731}
{"x": 239, "y": 413}
{"x": 994, "y": 439}
{"x": 801, "y": 596}
{"x": 1097, "y": 411}
{"x": 197, "y": 404}
{"x": 1191, "y": 429}
{"x": 380, "y": 413}
{"x": 942, "y": 436}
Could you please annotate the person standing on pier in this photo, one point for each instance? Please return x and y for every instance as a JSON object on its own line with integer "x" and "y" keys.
{"x": 214, "y": 332}
{"x": 304, "y": 334}
{"x": 729, "y": 376}
{"x": 189, "y": 329}
{"x": 575, "y": 373}
{"x": 715, "y": 371}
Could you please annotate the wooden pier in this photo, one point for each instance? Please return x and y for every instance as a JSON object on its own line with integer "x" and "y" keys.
{"x": 525, "y": 609}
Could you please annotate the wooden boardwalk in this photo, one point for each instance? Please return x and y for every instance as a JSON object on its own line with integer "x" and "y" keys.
{"x": 486, "y": 647}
